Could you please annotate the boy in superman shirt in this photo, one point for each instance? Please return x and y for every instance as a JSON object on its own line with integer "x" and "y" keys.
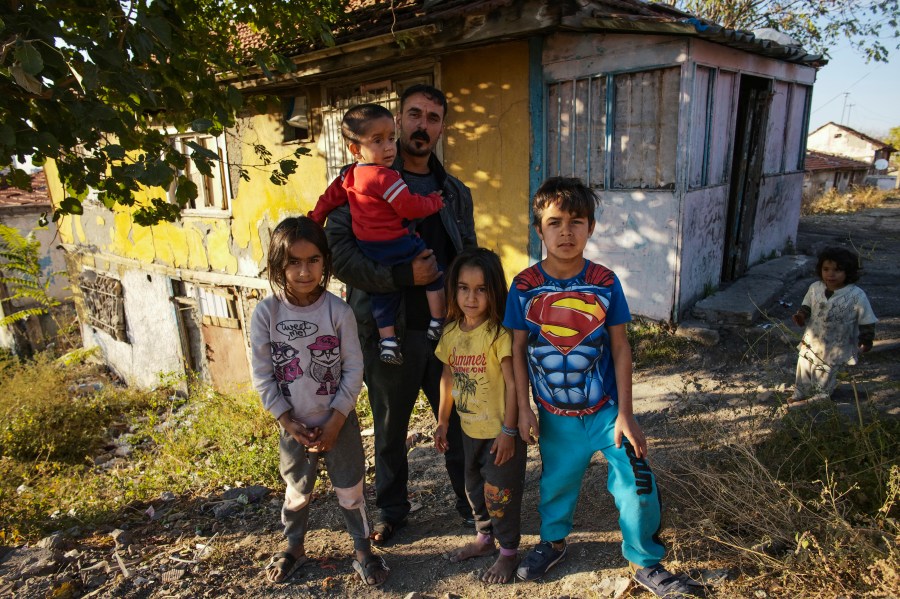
{"x": 568, "y": 318}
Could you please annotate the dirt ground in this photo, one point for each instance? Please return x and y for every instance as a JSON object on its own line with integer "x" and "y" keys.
{"x": 191, "y": 553}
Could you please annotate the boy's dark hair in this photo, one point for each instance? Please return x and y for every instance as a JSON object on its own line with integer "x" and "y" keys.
{"x": 845, "y": 259}
{"x": 569, "y": 194}
{"x": 494, "y": 282}
{"x": 356, "y": 120}
{"x": 288, "y": 231}
{"x": 429, "y": 91}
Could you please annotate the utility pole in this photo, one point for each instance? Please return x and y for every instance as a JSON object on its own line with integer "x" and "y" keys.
{"x": 844, "y": 109}
{"x": 849, "y": 108}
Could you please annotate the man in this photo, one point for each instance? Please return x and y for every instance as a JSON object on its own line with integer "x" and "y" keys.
{"x": 393, "y": 389}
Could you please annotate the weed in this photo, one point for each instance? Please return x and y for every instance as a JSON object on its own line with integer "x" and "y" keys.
{"x": 791, "y": 498}
{"x": 854, "y": 200}
{"x": 653, "y": 343}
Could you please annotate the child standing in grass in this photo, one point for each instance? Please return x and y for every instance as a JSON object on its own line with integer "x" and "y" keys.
{"x": 308, "y": 369}
{"x": 478, "y": 377}
{"x": 839, "y": 324}
{"x": 568, "y": 318}
{"x": 381, "y": 207}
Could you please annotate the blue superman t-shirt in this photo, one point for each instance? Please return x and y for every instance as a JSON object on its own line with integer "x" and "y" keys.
{"x": 569, "y": 361}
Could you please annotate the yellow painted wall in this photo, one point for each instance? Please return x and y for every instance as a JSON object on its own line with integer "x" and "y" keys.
{"x": 200, "y": 242}
{"x": 487, "y": 141}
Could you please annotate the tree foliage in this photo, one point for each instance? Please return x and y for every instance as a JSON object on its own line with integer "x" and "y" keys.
{"x": 893, "y": 138}
{"x": 95, "y": 84}
{"x": 21, "y": 273}
{"x": 871, "y": 26}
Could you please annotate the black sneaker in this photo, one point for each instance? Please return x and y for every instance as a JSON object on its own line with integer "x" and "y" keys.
{"x": 539, "y": 560}
{"x": 662, "y": 583}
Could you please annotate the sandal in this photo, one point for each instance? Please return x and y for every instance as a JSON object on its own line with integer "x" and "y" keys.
{"x": 385, "y": 531}
{"x": 390, "y": 351}
{"x": 368, "y": 568}
{"x": 284, "y": 564}
{"x": 662, "y": 583}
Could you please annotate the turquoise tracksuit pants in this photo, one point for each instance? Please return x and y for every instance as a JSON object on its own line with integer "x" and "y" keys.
{"x": 567, "y": 444}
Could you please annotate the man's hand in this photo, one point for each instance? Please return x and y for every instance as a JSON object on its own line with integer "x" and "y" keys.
{"x": 799, "y": 318}
{"x": 528, "y": 426}
{"x": 628, "y": 426}
{"x": 424, "y": 268}
{"x": 504, "y": 448}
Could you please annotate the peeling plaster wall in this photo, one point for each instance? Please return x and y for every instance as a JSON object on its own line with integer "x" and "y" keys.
{"x": 53, "y": 264}
{"x": 486, "y": 137}
{"x": 777, "y": 215}
{"x": 703, "y": 249}
{"x": 152, "y": 348}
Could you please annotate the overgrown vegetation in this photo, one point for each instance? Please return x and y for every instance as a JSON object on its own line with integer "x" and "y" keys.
{"x": 805, "y": 500}
{"x": 655, "y": 344}
{"x": 854, "y": 200}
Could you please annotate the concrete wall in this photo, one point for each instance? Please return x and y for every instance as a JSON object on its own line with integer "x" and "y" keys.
{"x": 152, "y": 348}
{"x": 52, "y": 260}
{"x": 702, "y": 250}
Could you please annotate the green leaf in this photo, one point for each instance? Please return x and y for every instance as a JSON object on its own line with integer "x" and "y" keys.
{"x": 157, "y": 174}
{"x": 30, "y": 59}
{"x": 114, "y": 152}
{"x": 235, "y": 97}
{"x": 71, "y": 205}
{"x": 186, "y": 191}
{"x": 203, "y": 152}
{"x": 201, "y": 125}
{"x": 25, "y": 80}
{"x": 7, "y": 135}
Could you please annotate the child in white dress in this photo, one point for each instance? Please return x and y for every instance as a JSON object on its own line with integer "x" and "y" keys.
{"x": 839, "y": 324}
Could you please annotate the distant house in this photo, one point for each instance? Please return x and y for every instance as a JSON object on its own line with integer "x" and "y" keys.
{"x": 21, "y": 210}
{"x": 825, "y": 172}
{"x": 839, "y": 140}
{"x": 692, "y": 135}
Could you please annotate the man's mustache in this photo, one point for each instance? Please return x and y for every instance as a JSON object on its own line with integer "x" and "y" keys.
{"x": 419, "y": 134}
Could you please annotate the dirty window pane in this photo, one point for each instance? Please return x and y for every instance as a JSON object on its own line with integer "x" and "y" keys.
{"x": 645, "y": 129}
{"x": 797, "y": 118}
{"x": 720, "y": 136}
{"x": 212, "y": 192}
{"x": 775, "y": 128}
{"x": 576, "y": 129}
{"x": 700, "y": 126}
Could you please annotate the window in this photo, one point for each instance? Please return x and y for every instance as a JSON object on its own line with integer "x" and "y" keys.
{"x": 773, "y": 162}
{"x": 576, "y": 129}
{"x": 104, "y": 304}
{"x": 645, "y": 129}
{"x": 795, "y": 135}
{"x": 213, "y": 193}
{"x": 701, "y": 126}
{"x": 385, "y": 91}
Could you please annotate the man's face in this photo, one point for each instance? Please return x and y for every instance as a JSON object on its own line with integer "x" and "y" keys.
{"x": 421, "y": 122}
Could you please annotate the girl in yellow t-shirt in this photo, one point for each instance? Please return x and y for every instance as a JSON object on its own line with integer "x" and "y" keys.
{"x": 478, "y": 377}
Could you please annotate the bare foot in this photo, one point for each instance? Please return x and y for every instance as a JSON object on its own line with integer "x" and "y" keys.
{"x": 473, "y": 549}
{"x": 284, "y": 563}
{"x": 502, "y": 570}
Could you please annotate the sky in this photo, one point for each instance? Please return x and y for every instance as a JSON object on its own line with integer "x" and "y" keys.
{"x": 873, "y": 104}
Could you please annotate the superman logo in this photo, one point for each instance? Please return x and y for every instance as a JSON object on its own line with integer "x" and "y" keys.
{"x": 566, "y": 318}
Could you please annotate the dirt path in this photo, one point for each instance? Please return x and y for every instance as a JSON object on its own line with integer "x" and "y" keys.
{"x": 165, "y": 558}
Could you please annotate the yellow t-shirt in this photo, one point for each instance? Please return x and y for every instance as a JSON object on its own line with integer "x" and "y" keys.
{"x": 479, "y": 391}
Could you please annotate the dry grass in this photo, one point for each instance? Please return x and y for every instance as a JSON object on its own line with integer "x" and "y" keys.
{"x": 779, "y": 531}
{"x": 854, "y": 200}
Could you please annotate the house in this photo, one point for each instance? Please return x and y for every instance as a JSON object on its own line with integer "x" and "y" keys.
{"x": 839, "y": 140}
{"x": 692, "y": 134}
{"x": 825, "y": 172}
{"x": 22, "y": 210}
